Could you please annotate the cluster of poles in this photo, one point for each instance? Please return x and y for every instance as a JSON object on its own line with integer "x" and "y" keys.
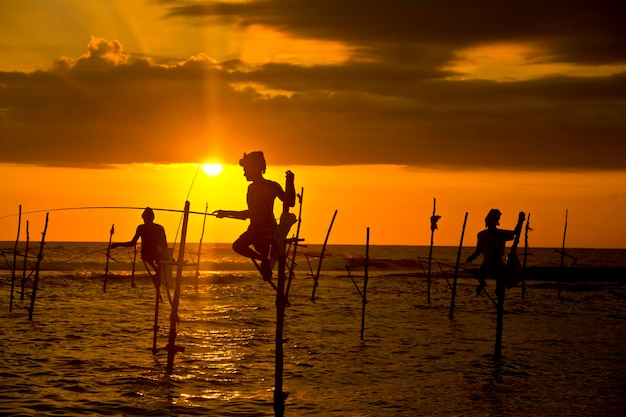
{"x": 23, "y": 291}
{"x": 286, "y": 258}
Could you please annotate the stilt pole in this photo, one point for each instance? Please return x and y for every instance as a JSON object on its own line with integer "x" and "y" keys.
{"x": 106, "y": 270}
{"x": 562, "y": 271}
{"x": 157, "y": 300}
{"x": 296, "y": 241}
{"x": 319, "y": 265}
{"x": 365, "y": 279}
{"x": 23, "y": 286}
{"x": 281, "y": 304}
{"x": 501, "y": 284}
{"x": 526, "y": 230}
{"x": 456, "y": 269}
{"x": 33, "y": 295}
{"x": 430, "y": 251}
{"x": 132, "y": 274}
{"x": 206, "y": 211}
{"x": 17, "y": 239}
{"x": 171, "y": 346}
{"x": 279, "y": 396}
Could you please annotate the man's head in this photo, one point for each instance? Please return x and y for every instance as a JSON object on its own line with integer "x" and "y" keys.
{"x": 148, "y": 215}
{"x": 253, "y": 163}
{"x": 493, "y": 217}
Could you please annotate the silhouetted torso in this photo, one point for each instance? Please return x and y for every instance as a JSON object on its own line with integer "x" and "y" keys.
{"x": 152, "y": 237}
{"x": 492, "y": 243}
{"x": 260, "y": 198}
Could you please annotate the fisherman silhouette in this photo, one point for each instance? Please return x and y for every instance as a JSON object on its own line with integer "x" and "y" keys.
{"x": 256, "y": 241}
{"x": 491, "y": 242}
{"x": 153, "y": 243}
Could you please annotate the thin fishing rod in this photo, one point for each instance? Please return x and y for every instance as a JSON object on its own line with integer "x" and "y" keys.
{"x": 105, "y": 208}
{"x": 180, "y": 221}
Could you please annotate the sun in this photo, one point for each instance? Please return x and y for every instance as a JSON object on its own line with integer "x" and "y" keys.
{"x": 212, "y": 169}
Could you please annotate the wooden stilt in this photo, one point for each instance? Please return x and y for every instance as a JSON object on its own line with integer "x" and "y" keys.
{"x": 33, "y": 295}
{"x": 171, "y": 346}
{"x": 430, "y": 251}
{"x": 23, "y": 286}
{"x": 157, "y": 300}
{"x": 132, "y": 274}
{"x": 17, "y": 239}
{"x": 562, "y": 270}
{"x": 106, "y": 270}
{"x": 279, "y": 395}
{"x": 456, "y": 269}
{"x": 206, "y": 212}
{"x": 501, "y": 284}
{"x": 296, "y": 242}
{"x": 319, "y": 265}
{"x": 365, "y": 280}
{"x": 281, "y": 304}
{"x": 526, "y": 230}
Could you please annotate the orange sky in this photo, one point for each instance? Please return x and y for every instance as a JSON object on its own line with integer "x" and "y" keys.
{"x": 377, "y": 110}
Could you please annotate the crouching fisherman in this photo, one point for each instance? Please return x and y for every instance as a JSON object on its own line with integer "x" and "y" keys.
{"x": 256, "y": 242}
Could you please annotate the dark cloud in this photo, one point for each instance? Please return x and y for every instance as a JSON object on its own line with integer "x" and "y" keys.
{"x": 575, "y": 32}
{"x": 394, "y": 102}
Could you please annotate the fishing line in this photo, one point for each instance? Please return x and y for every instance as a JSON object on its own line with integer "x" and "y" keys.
{"x": 180, "y": 221}
{"x": 102, "y": 208}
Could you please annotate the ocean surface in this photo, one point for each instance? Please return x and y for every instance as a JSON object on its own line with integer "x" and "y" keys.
{"x": 89, "y": 352}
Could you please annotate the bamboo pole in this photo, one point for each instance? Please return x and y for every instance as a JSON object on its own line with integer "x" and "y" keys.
{"x": 23, "y": 287}
{"x": 17, "y": 239}
{"x": 281, "y": 303}
{"x": 456, "y": 269}
{"x": 157, "y": 300}
{"x": 33, "y": 295}
{"x": 562, "y": 269}
{"x": 132, "y": 274}
{"x": 206, "y": 212}
{"x": 171, "y": 346}
{"x": 526, "y": 230}
{"x": 430, "y": 251}
{"x": 296, "y": 242}
{"x": 279, "y": 395}
{"x": 106, "y": 270}
{"x": 319, "y": 265}
{"x": 501, "y": 284}
{"x": 365, "y": 280}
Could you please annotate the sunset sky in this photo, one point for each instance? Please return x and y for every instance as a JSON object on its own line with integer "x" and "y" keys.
{"x": 379, "y": 108}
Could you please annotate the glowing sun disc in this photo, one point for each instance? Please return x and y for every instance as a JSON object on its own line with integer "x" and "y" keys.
{"x": 212, "y": 169}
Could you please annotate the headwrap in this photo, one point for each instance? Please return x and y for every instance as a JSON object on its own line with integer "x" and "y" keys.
{"x": 254, "y": 160}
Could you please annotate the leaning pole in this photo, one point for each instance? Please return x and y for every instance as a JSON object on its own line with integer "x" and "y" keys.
{"x": 171, "y": 346}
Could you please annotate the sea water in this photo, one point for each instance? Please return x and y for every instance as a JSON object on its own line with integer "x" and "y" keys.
{"x": 87, "y": 351}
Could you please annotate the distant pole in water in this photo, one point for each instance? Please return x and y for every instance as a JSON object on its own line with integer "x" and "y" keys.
{"x": 25, "y": 261}
{"x": 33, "y": 295}
{"x": 319, "y": 265}
{"x": 456, "y": 269}
{"x": 17, "y": 239}
{"x": 365, "y": 279}
{"x": 525, "y": 254}
{"x": 433, "y": 227}
{"x": 206, "y": 211}
{"x": 132, "y": 274}
{"x": 106, "y": 270}
{"x": 562, "y": 271}
{"x": 171, "y": 346}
